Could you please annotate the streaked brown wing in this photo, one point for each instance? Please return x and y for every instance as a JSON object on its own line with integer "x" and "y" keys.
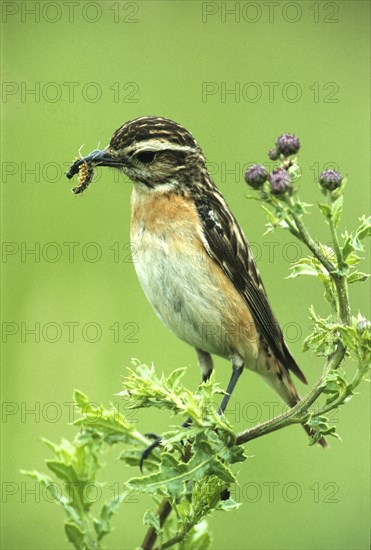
{"x": 227, "y": 245}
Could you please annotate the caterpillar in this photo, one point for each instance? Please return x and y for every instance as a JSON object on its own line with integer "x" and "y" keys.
{"x": 86, "y": 173}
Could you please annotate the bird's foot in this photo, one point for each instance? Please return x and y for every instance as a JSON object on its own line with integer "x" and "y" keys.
{"x": 147, "y": 451}
{"x": 157, "y": 440}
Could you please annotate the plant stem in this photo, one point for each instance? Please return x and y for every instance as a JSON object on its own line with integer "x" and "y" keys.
{"x": 180, "y": 536}
{"x": 307, "y": 239}
{"x": 341, "y": 285}
{"x": 335, "y": 242}
{"x": 151, "y": 535}
{"x": 297, "y": 414}
{"x": 340, "y": 279}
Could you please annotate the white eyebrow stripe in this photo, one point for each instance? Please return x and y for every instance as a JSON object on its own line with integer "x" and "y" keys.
{"x": 156, "y": 145}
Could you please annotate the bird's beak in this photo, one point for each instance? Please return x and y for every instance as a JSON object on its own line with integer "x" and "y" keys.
{"x": 97, "y": 158}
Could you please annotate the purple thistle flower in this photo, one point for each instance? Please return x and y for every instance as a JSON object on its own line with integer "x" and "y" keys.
{"x": 280, "y": 181}
{"x": 330, "y": 180}
{"x": 287, "y": 144}
{"x": 256, "y": 176}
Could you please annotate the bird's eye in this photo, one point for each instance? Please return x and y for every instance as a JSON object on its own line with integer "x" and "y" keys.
{"x": 146, "y": 156}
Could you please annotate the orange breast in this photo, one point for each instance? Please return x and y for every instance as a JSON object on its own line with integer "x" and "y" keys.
{"x": 172, "y": 221}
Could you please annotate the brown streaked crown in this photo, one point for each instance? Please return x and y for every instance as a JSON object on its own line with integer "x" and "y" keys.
{"x": 151, "y": 127}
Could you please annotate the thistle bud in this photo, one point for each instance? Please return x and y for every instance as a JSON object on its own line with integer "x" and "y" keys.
{"x": 256, "y": 176}
{"x": 280, "y": 181}
{"x": 287, "y": 144}
{"x": 273, "y": 154}
{"x": 330, "y": 180}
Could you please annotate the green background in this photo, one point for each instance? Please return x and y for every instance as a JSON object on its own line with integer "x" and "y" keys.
{"x": 158, "y": 55}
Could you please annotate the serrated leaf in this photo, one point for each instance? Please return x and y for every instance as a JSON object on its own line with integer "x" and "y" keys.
{"x": 147, "y": 389}
{"x": 75, "y": 536}
{"x": 233, "y": 454}
{"x": 65, "y": 472}
{"x": 229, "y": 505}
{"x": 108, "y": 424}
{"x": 174, "y": 474}
{"x": 352, "y": 241}
{"x": 271, "y": 217}
{"x": 357, "y": 276}
{"x": 347, "y": 248}
{"x": 325, "y": 209}
{"x": 152, "y": 520}
{"x": 349, "y": 337}
{"x": 302, "y": 270}
{"x": 364, "y": 230}
{"x": 102, "y": 525}
{"x": 174, "y": 378}
{"x": 81, "y": 399}
{"x": 54, "y": 488}
{"x": 337, "y": 209}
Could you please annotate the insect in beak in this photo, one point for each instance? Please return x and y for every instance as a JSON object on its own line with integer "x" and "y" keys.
{"x": 85, "y": 167}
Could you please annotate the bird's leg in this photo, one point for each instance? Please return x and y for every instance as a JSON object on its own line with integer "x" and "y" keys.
{"x": 206, "y": 366}
{"x": 237, "y": 368}
{"x": 205, "y": 363}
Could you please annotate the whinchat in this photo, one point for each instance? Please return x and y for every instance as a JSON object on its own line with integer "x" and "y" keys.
{"x": 194, "y": 262}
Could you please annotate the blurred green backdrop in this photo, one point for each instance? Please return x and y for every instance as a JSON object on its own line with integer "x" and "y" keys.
{"x": 236, "y": 74}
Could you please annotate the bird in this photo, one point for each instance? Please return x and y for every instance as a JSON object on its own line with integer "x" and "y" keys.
{"x": 193, "y": 260}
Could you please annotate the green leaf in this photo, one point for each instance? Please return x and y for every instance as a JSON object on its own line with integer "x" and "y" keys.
{"x": 175, "y": 377}
{"x": 325, "y": 209}
{"x": 153, "y": 521}
{"x": 348, "y": 336}
{"x": 54, "y": 489}
{"x": 337, "y": 209}
{"x": 364, "y": 230}
{"x": 312, "y": 267}
{"x": 62, "y": 471}
{"x": 76, "y": 536}
{"x": 352, "y": 241}
{"x": 102, "y": 525}
{"x": 173, "y": 475}
{"x": 302, "y": 269}
{"x": 197, "y": 539}
{"x": 109, "y": 425}
{"x": 271, "y": 217}
{"x": 357, "y": 276}
{"x": 324, "y": 337}
{"x": 147, "y": 389}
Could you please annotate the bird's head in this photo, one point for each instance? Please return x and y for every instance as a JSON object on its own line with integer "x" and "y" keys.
{"x": 154, "y": 152}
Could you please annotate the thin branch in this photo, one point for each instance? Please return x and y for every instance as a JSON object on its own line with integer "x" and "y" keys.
{"x": 151, "y": 535}
{"x": 177, "y": 538}
{"x": 297, "y": 414}
{"x": 339, "y": 279}
{"x": 341, "y": 284}
{"x": 335, "y": 241}
{"x": 307, "y": 239}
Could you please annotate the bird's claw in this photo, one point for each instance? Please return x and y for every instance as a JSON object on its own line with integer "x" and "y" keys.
{"x": 147, "y": 451}
{"x": 152, "y": 435}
